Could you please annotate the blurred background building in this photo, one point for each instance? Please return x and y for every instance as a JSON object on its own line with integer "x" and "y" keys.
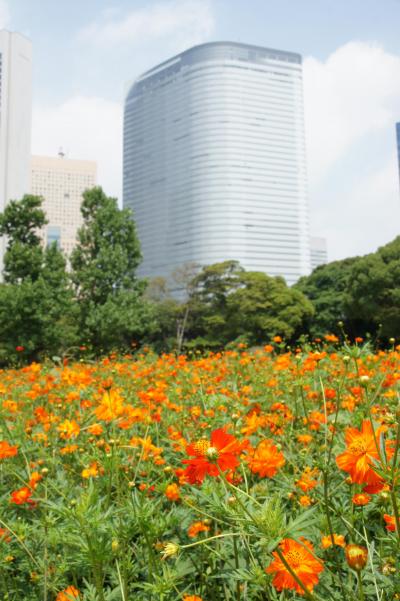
{"x": 319, "y": 252}
{"x": 214, "y": 161}
{"x": 61, "y": 182}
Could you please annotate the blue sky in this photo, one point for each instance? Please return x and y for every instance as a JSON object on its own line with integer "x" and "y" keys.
{"x": 86, "y": 51}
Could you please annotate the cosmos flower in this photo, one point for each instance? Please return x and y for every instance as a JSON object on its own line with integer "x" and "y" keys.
{"x": 266, "y": 459}
{"x": 362, "y": 454}
{"x": 301, "y": 561}
{"x": 6, "y": 450}
{"x": 211, "y": 457}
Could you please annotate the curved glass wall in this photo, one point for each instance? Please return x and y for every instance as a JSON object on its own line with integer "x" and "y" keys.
{"x": 214, "y": 161}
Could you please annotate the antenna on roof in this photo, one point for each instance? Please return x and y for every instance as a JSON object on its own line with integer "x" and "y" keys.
{"x": 61, "y": 153}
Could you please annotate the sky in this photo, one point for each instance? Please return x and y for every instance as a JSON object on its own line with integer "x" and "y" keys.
{"x": 86, "y": 52}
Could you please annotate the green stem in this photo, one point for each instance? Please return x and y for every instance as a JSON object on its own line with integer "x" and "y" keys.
{"x": 307, "y": 593}
{"x": 360, "y": 586}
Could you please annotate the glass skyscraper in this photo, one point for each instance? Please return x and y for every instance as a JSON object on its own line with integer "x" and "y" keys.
{"x": 214, "y": 161}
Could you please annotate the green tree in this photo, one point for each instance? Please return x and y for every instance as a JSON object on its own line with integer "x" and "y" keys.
{"x": 113, "y": 312}
{"x": 36, "y": 302}
{"x": 263, "y": 306}
{"x": 229, "y": 303}
{"x": 20, "y": 223}
{"x": 374, "y": 290}
{"x": 327, "y": 288}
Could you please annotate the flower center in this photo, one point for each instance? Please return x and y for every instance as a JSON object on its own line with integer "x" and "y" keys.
{"x": 201, "y": 447}
{"x": 212, "y": 453}
{"x": 357, "y": 447}
{"x": 293, "y": 558}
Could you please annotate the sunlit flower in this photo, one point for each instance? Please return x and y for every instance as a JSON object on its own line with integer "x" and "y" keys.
{"x": 361, "y": 499}
{"x": 172, "y": 492}
{"x": 211, "y": 457}
{"x": 266, "y": 459}
{"x": 302, "y": 562}
{"x": 362, "y": 454}
{"x": 21, "y": 496}
{"x": 68, "y": 594}
{"x": 6, "y": 450}
{"x": 338, "y": 539}
{"x": 196, "y": 528}
{"x": 390, "y": 522}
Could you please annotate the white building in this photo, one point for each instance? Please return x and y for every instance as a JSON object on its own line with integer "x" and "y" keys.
{"x": 319, "y": 252}
{"x": 61, "y": 182}
{"x": 214, "y": 161}
{"x": 15, "y": 117}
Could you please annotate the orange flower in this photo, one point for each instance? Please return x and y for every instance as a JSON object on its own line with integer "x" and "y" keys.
{"x": 192, "y": 598}
{"x": 211, "y": 457}
{"x": 361, "y": 499}
{"x": 6, "y": 450}
{"x": 356, "y": 557}
{"x": 306, "y": 481}
{"x": 361, "y": 454}
{"x": 21, "y": 496}
{"x": 91, "y": 472}
{"x": 172, "y": 492}
{"x": 68, "y": 594}
{"x": 266, "y": 459}
{"x": 338, "y": 539}
{"x": 301, "y": 561}
{"x": 390, "y": 522}
{"x": 68, "y": 429}
{"x": 196, "y": 528}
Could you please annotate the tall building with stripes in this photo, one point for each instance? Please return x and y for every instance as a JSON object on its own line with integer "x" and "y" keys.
{"x": 15, "y": 118}
{"x": 214, "y": 161}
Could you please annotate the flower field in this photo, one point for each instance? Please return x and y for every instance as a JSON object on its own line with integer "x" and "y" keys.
{"x": 245, "y": 475}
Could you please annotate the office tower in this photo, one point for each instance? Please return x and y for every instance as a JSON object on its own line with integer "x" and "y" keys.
{"x": 398, "y": 144}
{"x": 214, "y": 161}
{"x": 15, "y": 118}
{"x": 61, "y": 182}
{"x": 319, "y": 252}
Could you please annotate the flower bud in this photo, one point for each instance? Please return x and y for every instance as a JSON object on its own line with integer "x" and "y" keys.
{"x": 169, "y": 550}
{"x": 356, "y": 557}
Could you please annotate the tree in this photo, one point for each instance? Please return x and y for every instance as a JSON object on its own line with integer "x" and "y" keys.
{"x": 36, "y": 302}
{"x": 112, "y": 309}
{"x": 374, "y": 290}
{"x": 264, "y": 306}
{"x": 327, "y": 288}
{"x": 20, "y": 222}
{"x": 230, "y": 303}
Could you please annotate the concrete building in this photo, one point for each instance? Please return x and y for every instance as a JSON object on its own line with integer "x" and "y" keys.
{"x": 15, "y": 117}
{"x": 214, "y": 161}
{"x": 61, "y": 182}
{"x": 319, "y": 252}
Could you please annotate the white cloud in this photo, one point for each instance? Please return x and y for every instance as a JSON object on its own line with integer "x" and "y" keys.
{"x": 355, "y": 92}
{"x": 86, "y": 128}
{"x": 186, "y": 22}
{"x": 5, "y": 16}
{"x": 352, "y": 101}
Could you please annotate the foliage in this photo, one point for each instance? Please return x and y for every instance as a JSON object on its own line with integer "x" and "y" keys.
{"x": 374, "y": 290}
{"x": 36, "y": 303}
{"x": 104, "y": 263}
{"x": 327, "y": 288}
{"x": 230, "y": 303}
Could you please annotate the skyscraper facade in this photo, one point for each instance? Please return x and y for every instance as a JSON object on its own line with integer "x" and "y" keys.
{"x": 15, "y": 117}
{"x": 214, "y": 161}
{"x": 61, "y": 182}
